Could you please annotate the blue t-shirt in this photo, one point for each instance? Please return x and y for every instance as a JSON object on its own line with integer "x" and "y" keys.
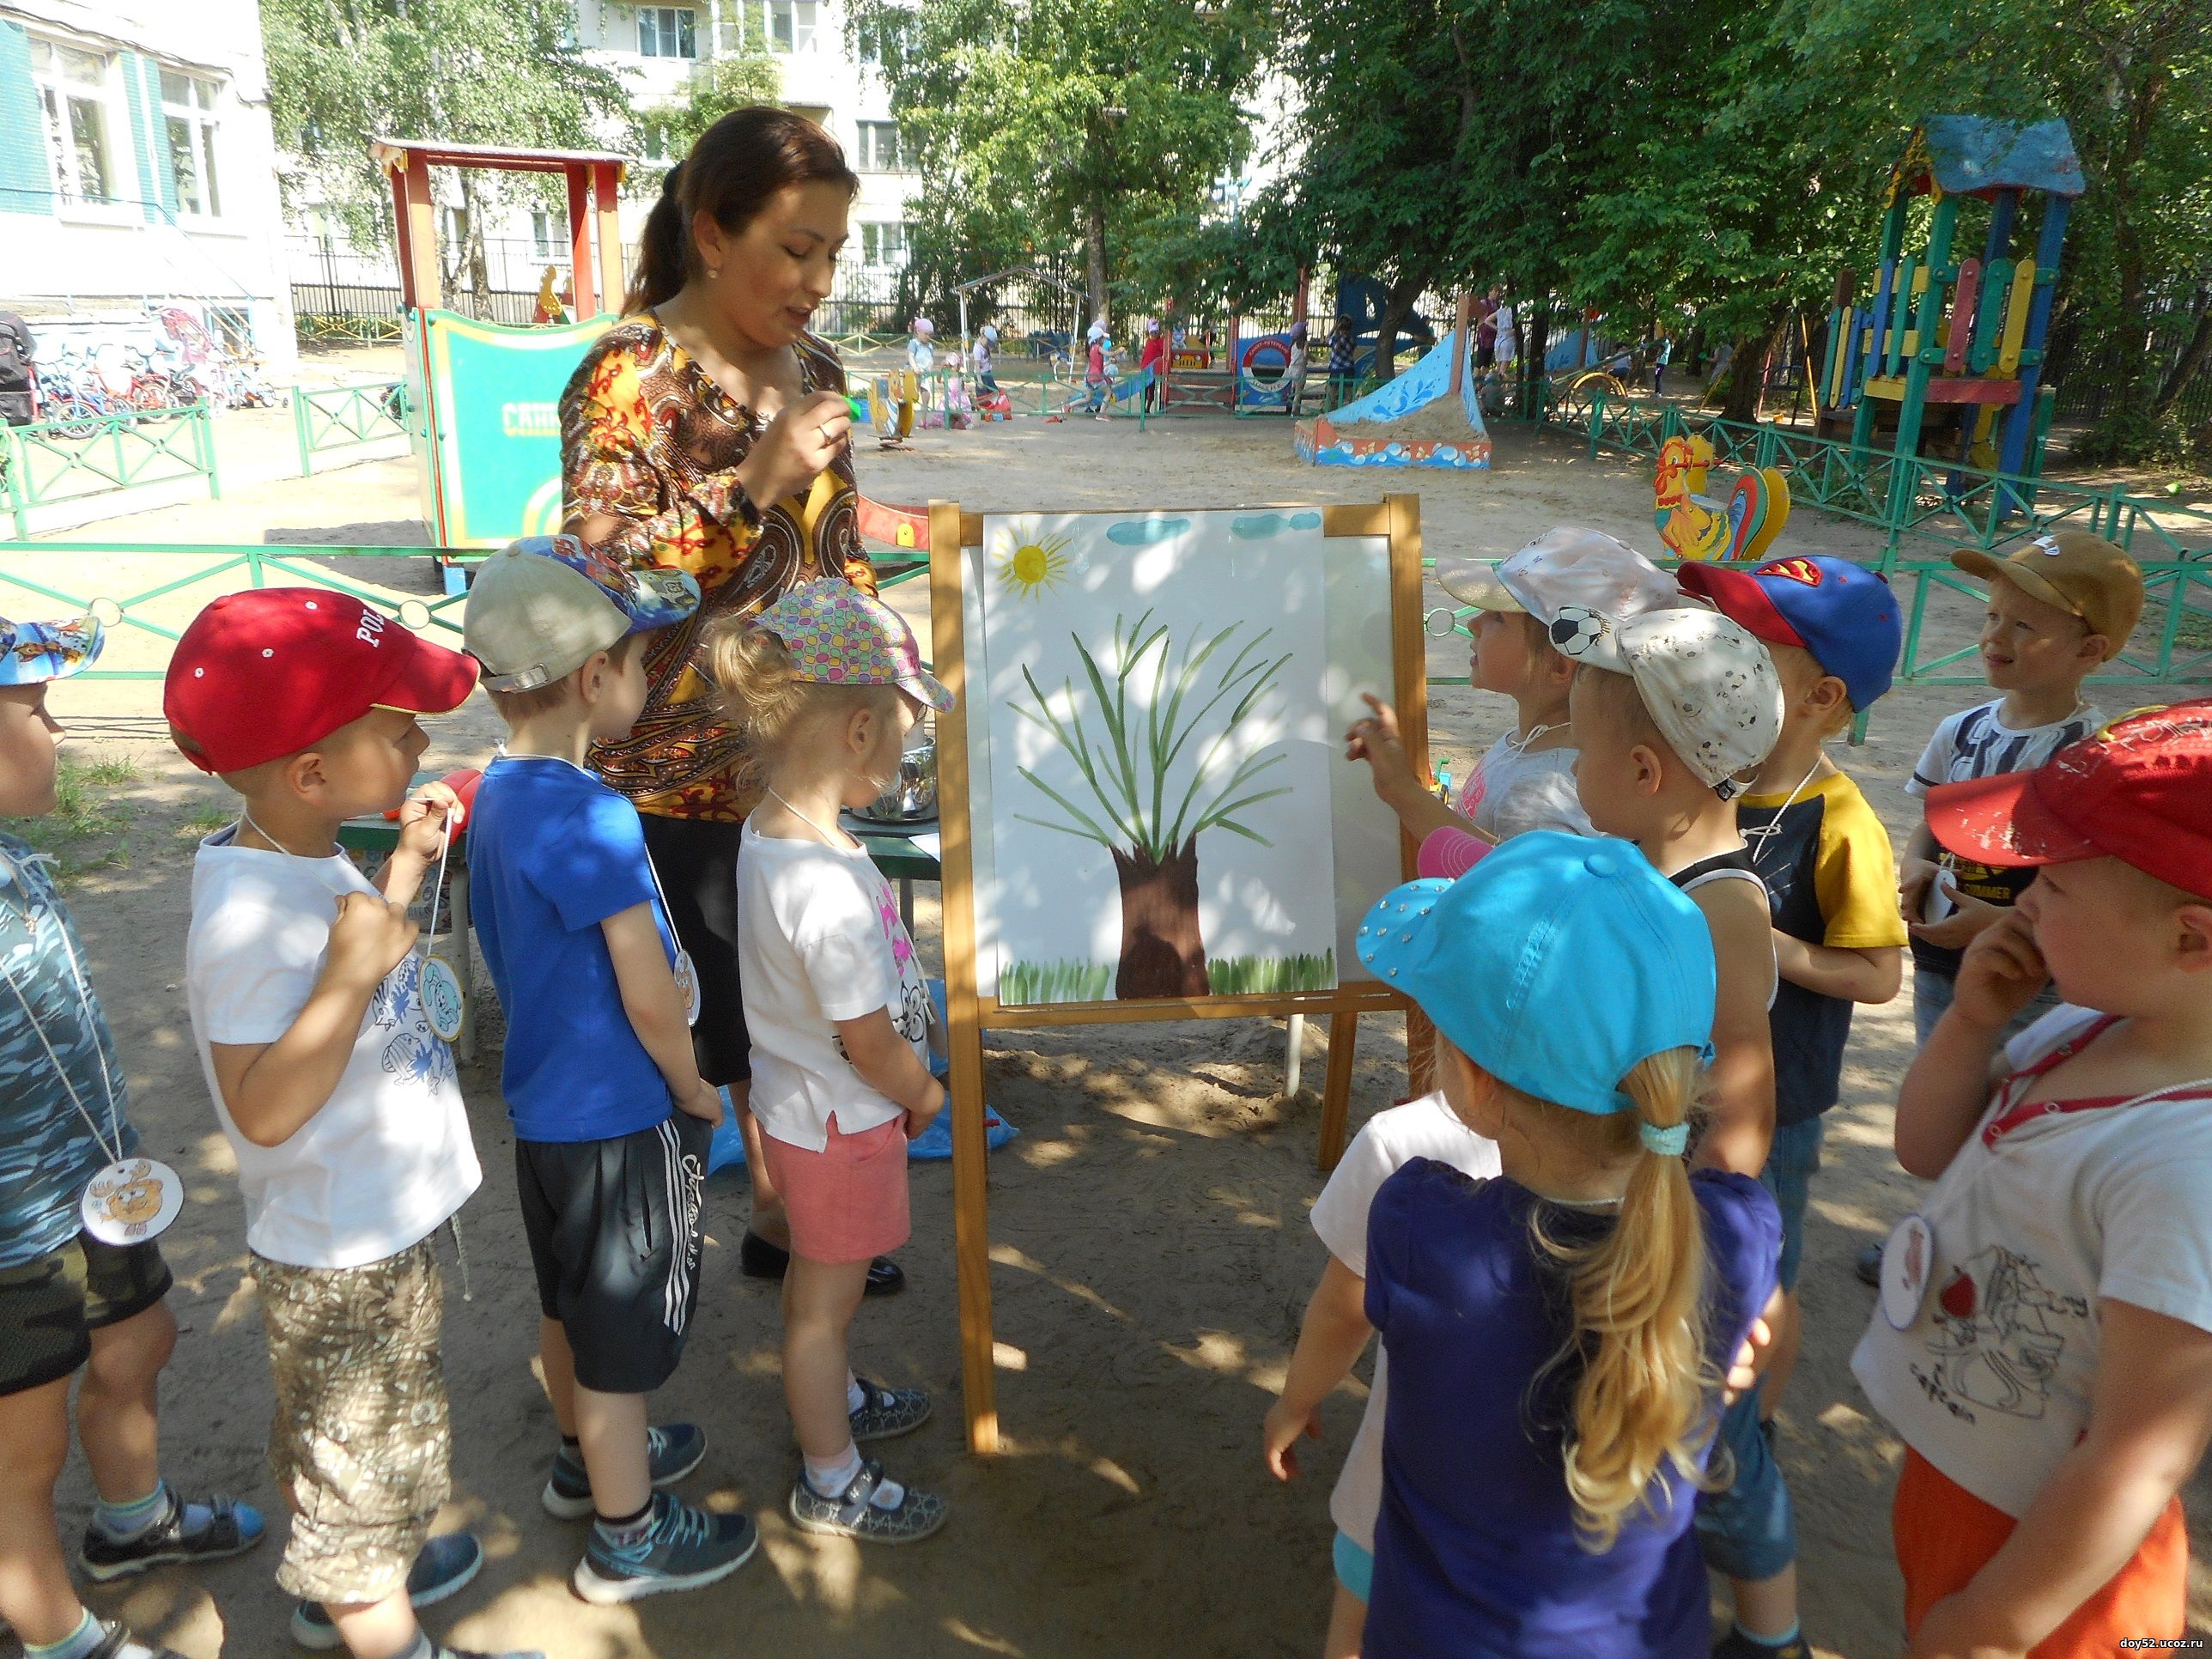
{"x": 552, "y": 853}
{"x": 48, "y": 1153}
{"x": 1475, "y": 1551}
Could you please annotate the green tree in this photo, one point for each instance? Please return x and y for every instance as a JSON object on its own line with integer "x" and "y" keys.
{"x": 344, "y": 72}
{"x": 730, "y": 79}
{"x": 1064, "y": 122}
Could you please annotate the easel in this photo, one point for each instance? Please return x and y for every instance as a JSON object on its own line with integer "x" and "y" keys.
{"x": 950, "y": 532}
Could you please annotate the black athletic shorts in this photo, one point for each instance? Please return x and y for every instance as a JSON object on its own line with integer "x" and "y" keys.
{"x": 614, "y": 1229}
{"x": 51, "y": 1306}
{"x": 697, "y": 863}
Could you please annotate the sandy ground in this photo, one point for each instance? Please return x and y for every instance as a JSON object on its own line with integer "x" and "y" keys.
{"x": 1151, "y": 1253}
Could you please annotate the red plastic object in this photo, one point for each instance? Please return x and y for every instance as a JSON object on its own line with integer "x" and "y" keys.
{"x": 464, "y": 784}
{"x": 1963, "y": 299}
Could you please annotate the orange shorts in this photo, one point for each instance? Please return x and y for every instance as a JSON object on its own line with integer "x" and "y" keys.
{"x": 1945, "y": 1536}
{"x": 848, "y": 1202}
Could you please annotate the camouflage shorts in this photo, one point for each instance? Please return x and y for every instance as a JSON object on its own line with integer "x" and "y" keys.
{"x": 361, "y": 1437}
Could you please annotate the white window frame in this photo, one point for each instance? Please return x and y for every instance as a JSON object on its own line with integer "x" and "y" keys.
{"x": 669, "y": 27}
{"x": 548, "y": 234}
{"x": 203, "y": 119}
{"x": 803, "y": 26}
{"x": 868, "y": 148}
{"x": 56, "y": 92}
{"x": 884, "y": 244}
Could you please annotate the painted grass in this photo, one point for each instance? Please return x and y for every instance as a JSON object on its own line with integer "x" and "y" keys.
{"x": 1072, "y": 979}
{"x": 1079, "y": 980}
{"x": 1254, "y": 975}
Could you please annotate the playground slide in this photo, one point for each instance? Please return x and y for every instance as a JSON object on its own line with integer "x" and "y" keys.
{"x": 1424, "y": 383}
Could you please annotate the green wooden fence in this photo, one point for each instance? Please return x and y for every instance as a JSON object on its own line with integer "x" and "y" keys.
{"x": 53, "y": 462}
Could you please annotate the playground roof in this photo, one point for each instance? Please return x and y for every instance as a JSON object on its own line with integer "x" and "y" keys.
{"x": 1971, "y": 155}
{"x": 392, "y": 151}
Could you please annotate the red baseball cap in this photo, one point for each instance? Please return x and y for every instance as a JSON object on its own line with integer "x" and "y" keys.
{"x": 2139, "y": 790}
{"x": 272, "y": 670}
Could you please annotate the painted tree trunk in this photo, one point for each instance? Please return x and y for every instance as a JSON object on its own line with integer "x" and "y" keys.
{"x": 1162, "y": 952}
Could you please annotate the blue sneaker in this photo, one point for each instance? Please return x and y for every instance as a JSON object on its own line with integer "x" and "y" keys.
{"x": 231, "y": 1528}
{"x": 671, "y": 1453}
{"x": 682, "y": 1548}
{"x": 447, "y": 1563}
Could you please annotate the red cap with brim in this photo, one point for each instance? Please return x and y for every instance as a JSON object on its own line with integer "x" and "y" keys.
{"x": 273, "y": 671}
{"x": 2140, "y": 791}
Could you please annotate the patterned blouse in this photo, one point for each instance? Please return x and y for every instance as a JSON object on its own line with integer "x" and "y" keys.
{"x": 648, "y": 437}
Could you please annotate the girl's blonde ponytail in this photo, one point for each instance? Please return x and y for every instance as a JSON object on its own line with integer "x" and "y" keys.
{"x": 759, "y": 692}
{"x": 1638, "y": 1300}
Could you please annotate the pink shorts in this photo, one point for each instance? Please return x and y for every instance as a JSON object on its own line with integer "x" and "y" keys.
{"x": 847, "y": 1202}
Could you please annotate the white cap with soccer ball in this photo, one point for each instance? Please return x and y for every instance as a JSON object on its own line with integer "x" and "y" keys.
{"x": 1707, "y": 682}
{"x": 1565, "y": 566}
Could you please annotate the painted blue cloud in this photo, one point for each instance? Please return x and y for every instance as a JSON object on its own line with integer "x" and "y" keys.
{"x": 1142, "y": 532}
{"x": 1256, "y": 527}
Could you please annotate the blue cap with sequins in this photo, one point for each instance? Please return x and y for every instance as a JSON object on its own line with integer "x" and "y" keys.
{"x": 1557, "y": 965}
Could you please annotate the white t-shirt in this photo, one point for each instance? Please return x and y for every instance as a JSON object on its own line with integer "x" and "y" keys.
{"x": 1975, "y": 743}
{"x": 1504, "y": 348}
{"x": 1992, "y": 1382}
{"x": 1509, "y": 792}
{"x": 819, "y": 939}
{"x": 1427, "y": 1127}
{"x": 388, "y": 1157}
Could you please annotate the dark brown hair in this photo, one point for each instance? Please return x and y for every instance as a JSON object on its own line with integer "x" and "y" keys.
{"x": 734, "y": 170}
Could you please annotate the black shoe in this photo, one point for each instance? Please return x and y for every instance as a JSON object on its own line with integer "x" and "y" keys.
{"x": 232, "y": 1529}
{"x": 1737, "y": 1645}
{"x": 1869, "y": 1265}
{"x": 758, "y": 1259}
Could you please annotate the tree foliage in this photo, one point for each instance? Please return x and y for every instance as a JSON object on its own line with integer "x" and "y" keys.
{"x": 344, "y": 72}
{"x": 1038, "y": 128}
{"x": 729, "y": 80}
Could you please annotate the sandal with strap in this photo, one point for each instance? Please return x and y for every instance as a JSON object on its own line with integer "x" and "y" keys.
{"x": 851, "y": 1514}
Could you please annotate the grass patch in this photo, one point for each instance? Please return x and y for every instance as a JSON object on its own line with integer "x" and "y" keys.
{"x": 89, "y": 827}
{"x": 205, "y": 821}
{"x": 1073, "y": 979}
{"x": 1232, "y": 976}
{"x": 1076, "y": 979}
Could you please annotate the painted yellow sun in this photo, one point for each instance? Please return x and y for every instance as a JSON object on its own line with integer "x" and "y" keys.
{"x": 1032, "y": 567}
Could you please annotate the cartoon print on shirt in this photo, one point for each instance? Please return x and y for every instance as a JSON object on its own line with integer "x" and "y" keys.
{"x": 411, "y": 1050}
{"x": 1999, "y": 1333}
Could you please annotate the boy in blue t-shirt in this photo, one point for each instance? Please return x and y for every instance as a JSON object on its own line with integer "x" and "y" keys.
{"x": 611, "y": 1118}
{"x": 71, "y": 1302}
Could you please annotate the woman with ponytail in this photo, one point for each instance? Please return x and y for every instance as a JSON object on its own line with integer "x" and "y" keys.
{"x": 708, "y": 432}
{"x": 1558, "y": 1335}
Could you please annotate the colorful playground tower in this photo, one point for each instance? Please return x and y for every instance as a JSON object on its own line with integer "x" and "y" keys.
{"x": 1967, "y": 332}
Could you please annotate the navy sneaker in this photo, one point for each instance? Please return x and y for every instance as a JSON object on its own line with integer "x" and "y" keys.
{"x": 447, "y": 1563}
{"x": 682, "y": 1548}
{"x": 671, "y": 1453}
{"x": 232, "y": 1529}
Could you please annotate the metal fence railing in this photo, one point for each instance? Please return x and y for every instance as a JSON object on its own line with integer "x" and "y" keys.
{"x": 1916, "y": 498}
{"x": 328, "y": 418}
{"x": 53, "y": 462}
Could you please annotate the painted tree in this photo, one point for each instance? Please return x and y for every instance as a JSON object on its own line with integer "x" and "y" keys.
{"x": 1146, "y": 814}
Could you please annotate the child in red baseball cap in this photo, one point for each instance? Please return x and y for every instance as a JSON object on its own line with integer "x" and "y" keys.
{"x": 330, "y": 1082}
{"x": 2043, "y": 1339}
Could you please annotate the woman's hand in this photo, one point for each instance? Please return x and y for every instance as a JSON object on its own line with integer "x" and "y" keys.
{"x": 798, "y": 446}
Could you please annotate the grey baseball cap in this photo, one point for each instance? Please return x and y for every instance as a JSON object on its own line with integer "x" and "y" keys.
{"x": 540, "y": 607}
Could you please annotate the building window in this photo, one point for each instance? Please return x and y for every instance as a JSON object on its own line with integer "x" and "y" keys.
{"x": 668, "y": 32}
{"x": 787, "y": 25}
{"x": 188, "y": 116}
{"x": 548, "y": 234}
{"x": 891, "y": 32}
{"x": 882, "y": 244}
{"x": 73, "y": 98}
{"x": 879, "y": 147}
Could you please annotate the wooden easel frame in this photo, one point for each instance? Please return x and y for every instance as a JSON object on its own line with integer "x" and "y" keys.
{"x": 951, "y": 532}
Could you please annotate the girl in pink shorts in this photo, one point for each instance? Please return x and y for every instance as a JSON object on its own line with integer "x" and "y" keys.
{"x": 826, "y": 683}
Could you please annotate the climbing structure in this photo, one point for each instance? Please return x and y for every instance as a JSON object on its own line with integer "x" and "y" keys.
{"x": 1963, "y": 333}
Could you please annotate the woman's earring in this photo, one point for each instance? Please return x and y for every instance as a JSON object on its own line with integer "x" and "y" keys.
{"x": 713, "y": 273}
